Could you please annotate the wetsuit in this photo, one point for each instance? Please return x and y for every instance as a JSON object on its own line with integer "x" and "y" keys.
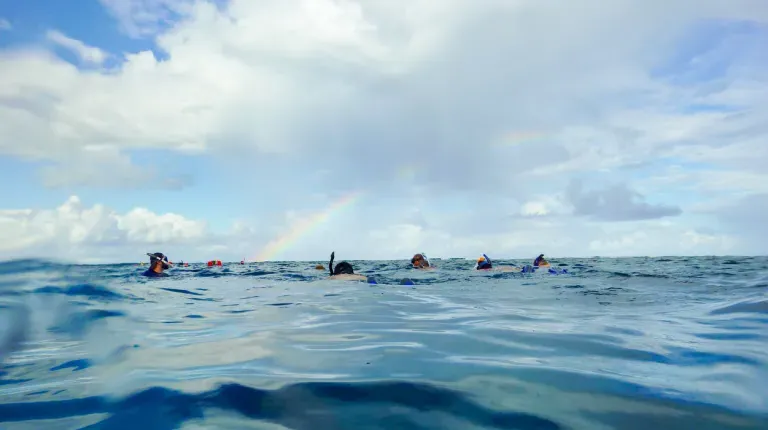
{"x": 152, "y": 274}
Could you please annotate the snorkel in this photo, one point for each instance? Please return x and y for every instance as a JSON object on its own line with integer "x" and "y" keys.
{"x": 159, "y": 257}
{"x": 342, "y": 268}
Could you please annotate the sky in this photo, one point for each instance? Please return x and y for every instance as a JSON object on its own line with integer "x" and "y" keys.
{"x": 287, "y": 129}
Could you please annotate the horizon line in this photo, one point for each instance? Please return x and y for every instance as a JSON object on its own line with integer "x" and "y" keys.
{"x": 549, "y": 258}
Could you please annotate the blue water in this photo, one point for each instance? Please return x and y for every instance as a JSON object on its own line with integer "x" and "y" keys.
{"x": 677, "y": 343}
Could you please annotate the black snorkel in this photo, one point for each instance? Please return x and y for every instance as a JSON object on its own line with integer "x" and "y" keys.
{"x": 343, "y": 268}
{"x": 330, "y": 263}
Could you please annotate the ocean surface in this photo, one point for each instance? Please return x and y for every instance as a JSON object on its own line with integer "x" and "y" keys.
{"x": 635, "y": 343}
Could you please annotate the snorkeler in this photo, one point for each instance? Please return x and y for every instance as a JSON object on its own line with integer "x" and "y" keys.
{"x": 540, "y": 261}
{"x": 484, "y": 263}
{"x": 420, "y": 261}
{"x": 344, "y": 271}
{"x": 157, "y": 263}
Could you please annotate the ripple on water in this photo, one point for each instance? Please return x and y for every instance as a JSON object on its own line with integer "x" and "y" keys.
{"x": 617, "y": 343}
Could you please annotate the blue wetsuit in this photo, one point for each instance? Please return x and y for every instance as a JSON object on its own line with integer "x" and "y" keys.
{"x": 152, "y": 274}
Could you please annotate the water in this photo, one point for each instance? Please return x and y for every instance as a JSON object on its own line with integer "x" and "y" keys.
{"x": 616, "y": 344}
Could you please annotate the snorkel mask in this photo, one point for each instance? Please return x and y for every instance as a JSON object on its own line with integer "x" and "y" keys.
{"x": 420, "y": 260}
{"x": 159, "y": 256}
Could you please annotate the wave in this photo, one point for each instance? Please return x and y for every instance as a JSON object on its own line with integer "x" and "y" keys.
{"x": 617, "y": 343}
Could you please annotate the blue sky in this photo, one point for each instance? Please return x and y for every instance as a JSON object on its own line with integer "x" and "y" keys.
{"x": 242, "y": 119}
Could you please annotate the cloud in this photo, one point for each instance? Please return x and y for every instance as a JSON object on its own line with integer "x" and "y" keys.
{"x": 650, "y": 243}
{"x": 141, "y": 18}
{"x": 107, "y": 168}
{"x": 615, "y": 203}
{"x": 88, "y": 54}
{"x": 96, "y": 225}
{"x": 76, "y": 232}
{"x": 466, "y": 122}
{"x": 741, "y": 216}
{"x": 350, "y": 72}
{"x": 5, "y": 25}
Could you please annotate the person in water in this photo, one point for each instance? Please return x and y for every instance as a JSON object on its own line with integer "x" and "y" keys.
{"x": 540, "y": 261}
{"x": 420, "y": 261}
{"x": 344, "y": 271}
{"x": 157, "y": 264}
{"x": 485, "y": 263}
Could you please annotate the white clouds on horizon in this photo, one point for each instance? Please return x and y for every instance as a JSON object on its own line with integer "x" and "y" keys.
{"x": 74, "y": 232}
{"x": 420, "y": 93}
{"x": 97, "y": 234}
{"x": 73, "y": 225}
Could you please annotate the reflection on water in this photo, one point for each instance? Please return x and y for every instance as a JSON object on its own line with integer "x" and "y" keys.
{"x": 617, "y": 343}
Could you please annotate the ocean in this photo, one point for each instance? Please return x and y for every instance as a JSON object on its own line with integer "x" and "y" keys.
{"x": 628, "y": 343}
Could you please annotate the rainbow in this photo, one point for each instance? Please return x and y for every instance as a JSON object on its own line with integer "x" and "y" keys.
{"x": 304, "y": 226}
{"x": 518, "y": 137}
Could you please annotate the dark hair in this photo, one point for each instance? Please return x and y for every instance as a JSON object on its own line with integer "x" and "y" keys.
{"x": 342, "y": 268}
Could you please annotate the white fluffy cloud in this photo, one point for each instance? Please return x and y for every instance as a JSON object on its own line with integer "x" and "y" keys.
{"x": 85, "y": 53}
{"x": 446, "y": 74}
{"x": 509, "y": 103}
{"x": 141, "y": 18}
{"x": 75, "y": 232}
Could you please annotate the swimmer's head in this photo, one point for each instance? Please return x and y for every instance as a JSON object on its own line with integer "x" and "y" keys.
{"x": 420, "y": 261}
{"x": 158, "y": 260}
{"x": 483, "y": 263}
{"x": 320, "y": 267}
{"x": 342, "y": 268}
